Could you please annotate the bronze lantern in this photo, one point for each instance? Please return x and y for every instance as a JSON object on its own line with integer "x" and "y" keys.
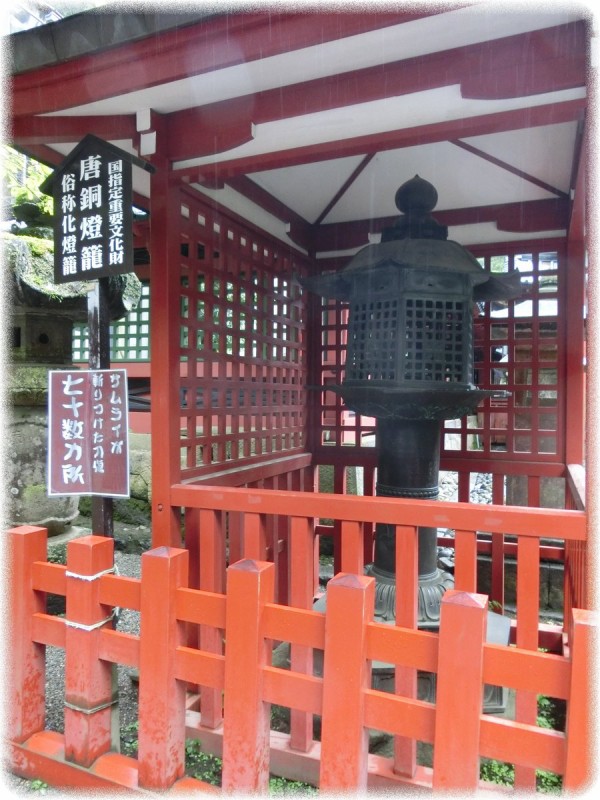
{"x": 409, "y": 364}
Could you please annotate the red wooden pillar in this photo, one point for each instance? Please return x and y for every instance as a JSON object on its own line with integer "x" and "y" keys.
{"x": 497, "y": 581}
{"x": 254, "y": 536}
{"x": 164, "y": 342}
{"x": 575, "y": 334}
{"x": 346, "y": 675}
{"x": 578, "y": 769}
{"x": 246, "y": 727}
{"x": 161, "y": 750}
{"x": 459, "y": 699}
{"x": 339, "y": 487}
{"x": 27, "y": 670}
{"x": 90, "y": 682}
{"x": 465, "y": 558}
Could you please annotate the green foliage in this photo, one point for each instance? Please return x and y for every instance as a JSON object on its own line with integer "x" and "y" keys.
{"x": 85, "y": 506}
{"x": 497, "y": 772}
{"x": 57, "y": 554}
{"x": 23, "y": 177}
{"x": 283, "y": 786}
{"x": 38, "y": 786}
{"x": 203, "y": 766}
{"x": 206, "y": 767}
{"x": 129, "y": 739}
{"x": 499, "y": 264}
{"x": 548, "y": 782}
{"x": 551, "y": 715}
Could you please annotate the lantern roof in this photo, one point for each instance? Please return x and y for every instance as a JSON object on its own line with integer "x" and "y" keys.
{"x": 417, "y": 241}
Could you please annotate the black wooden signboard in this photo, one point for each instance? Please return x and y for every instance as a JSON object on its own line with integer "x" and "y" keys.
{"x": 92, "y": 192}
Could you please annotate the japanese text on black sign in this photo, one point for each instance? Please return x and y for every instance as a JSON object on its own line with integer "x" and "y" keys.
{"x": 93, "y": 218}
{"x": 88, "y": 447}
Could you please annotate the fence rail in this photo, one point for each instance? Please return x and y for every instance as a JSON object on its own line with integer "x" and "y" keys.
{"x": 259, "y": 522}
{"x": 237, "y": 686}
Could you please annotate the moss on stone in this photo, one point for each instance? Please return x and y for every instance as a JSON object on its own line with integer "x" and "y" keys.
{"x": 28, "y": 384}
{"x": 34, "y": 493}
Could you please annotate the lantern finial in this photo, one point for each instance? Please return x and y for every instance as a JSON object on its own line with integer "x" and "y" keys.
{"x": 415, "y": 199}
{"x": 416, "y": 196}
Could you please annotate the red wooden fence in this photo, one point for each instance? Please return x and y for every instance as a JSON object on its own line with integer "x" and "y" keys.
{"x": 246, "y": 616}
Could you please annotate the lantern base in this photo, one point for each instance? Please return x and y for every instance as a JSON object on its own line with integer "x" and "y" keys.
{"x": 429, "y": 598}
{"x": 431, "y": 403}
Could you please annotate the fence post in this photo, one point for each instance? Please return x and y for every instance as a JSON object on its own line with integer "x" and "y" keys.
{"x": 301, "y": 546}
{"x": 211, "y": 545}
{"x": 161, "y": 735}
{"x": 528, "y": 604}
{"x": 89, "y": 681}
{"x": 578, "y": 768}
{"x": 246, "y": 725}
{"x": 463, "y": 623}
{"x": 407, "y": 613}
{"x": 346, "y": 674}
{"x": 27, "y": 672}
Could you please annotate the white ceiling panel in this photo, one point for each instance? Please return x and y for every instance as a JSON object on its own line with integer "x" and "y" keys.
{"x": 308, "y": 189}
{"x": 462, "y": 180}
{"x": 535, "y": 151}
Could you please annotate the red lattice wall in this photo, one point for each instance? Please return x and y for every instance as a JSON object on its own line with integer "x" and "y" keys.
{"x": 242, "y": 342}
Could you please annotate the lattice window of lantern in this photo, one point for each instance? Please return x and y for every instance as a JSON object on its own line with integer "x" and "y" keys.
{"x": 434, "y": 339}
{"x": 373, "y": 340}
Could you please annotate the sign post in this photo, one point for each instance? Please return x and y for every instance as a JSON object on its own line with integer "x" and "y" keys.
{"x": 99, "y": 358}
{"x": 93, "y": 241}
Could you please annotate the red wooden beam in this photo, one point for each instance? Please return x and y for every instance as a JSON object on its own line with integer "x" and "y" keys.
{"x": 517, "y": 119}
{"x": 221, "y": 41}
{"x": 42, "y": 153}
{"x": 550, "y": 60}
{"x": 33, "y": 130}
{"x": 543, "y": 61}
{"x": 536, "y": 215}
{"x": 303, "y": 231}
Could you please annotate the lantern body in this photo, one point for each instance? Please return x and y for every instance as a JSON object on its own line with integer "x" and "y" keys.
{"x": 410, "y": 328}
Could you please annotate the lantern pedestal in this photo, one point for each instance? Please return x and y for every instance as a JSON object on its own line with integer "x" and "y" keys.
{"x": 408, "y": 467}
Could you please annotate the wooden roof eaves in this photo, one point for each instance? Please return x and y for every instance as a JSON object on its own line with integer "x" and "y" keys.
{"x": 213, "y": 173}
{"x": 179, "y": 54}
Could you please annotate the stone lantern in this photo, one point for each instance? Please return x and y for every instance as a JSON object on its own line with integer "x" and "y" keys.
{"x": 409, "y": 364}
{"x": 42, "y": 319}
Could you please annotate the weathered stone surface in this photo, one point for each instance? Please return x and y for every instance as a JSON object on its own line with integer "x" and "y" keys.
{"x": 140, "y": 467}
{"x": 30, "y": 263}
{"x": 28, "y": 501}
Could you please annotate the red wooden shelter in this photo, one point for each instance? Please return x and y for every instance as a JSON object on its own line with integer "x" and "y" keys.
{"x": 279, "y": 138}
